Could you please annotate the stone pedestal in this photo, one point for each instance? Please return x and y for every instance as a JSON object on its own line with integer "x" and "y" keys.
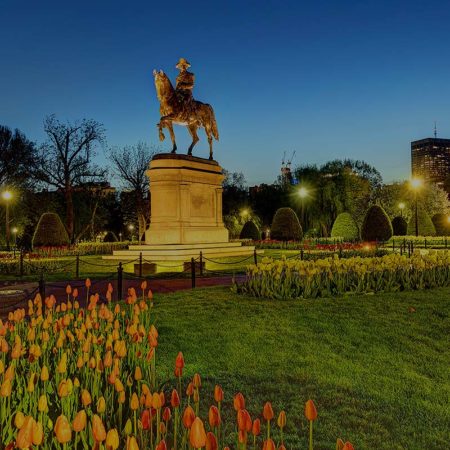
{"x": 186, "y": 201}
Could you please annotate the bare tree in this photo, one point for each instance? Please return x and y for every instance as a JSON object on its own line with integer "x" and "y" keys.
{"x": 65, "y": 159}
{"x": 130, "y": 164}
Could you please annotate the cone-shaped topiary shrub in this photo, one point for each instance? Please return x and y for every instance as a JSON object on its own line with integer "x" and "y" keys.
{"x": 376, "y": 225}
{"x": 345, "y": 227}
{"x": 286, "y": 226}
{"x": 110, "y": 237}
{"x": 50, "y": 232}
{"x": 400, "y": 226}
{"x": 441, "y": 223}
{"x": 250, "y": 231}
{"x": 426, "y": 227}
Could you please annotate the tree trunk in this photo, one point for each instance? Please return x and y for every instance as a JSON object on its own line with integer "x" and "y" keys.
{"x": 69, "y": 213}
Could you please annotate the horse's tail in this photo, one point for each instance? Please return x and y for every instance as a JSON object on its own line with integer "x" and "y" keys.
{"x": 214, "y": 129}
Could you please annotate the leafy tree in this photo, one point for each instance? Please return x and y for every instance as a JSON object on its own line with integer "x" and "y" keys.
{"x": 424, "y": 222}
{"x": 376, "y": 225}
{"x": 235, "y": 195}
{"x": 17, "y": 157}
{"x": 286, "y": 226}
{"x": 130, "y": 164}
{"x": 345, "y": 227}
{"x": 265, "y": 199}
{"x": 65, "y": 159}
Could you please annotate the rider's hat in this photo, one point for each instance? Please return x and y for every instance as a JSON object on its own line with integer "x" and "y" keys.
{"x": 182, "y": 63}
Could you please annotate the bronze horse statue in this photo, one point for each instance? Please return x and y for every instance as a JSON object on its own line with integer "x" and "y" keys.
{"x": 174, "y": 110}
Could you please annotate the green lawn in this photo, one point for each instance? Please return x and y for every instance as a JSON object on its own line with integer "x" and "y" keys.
{"x": 377, "y": 371}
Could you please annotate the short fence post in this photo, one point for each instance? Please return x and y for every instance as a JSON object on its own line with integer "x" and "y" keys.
{"x": 425, "y": 241}
{"x": 21, "y": 263}
{"x": 340, "y": 252}
{"x": 140, "y": 265}
{"x": 401, "y": 249}
{"x": 409, "y": 249}
{"x": 193, "y": 272}
{"x": 119, "y": 281}
{"x": 77, "y": 266}
{"x": 301, "y": 254}
{"x": 445, "y": 242}
{"x": 255, "y": 257}
{"x": 393, "y": 245}
{"x": 42, "y": 286}
{"x": 201, "y": 263}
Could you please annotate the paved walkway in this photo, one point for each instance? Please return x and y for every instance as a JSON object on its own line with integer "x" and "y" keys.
{"x": 11, "y": 300}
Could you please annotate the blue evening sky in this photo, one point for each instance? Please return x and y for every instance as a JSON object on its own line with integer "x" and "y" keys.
{"x": 329, "y": 79}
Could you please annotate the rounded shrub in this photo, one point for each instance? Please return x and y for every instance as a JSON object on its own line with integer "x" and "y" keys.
{"x": 399, "y": 226}
{"x": 50, "y": 232}
{"x": 345, "y": 227}
{"x": 376, "y": 225}
{"x": 110, "y": 237}
{"x": 425, "y": 224}
{"x": 441, "y": 224}
{"x": 286, "y": 226}
{"x": 250, "y": 231}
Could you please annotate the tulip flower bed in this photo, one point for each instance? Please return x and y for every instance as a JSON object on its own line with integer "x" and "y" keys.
{"x": 284, "y": 279}
{"x": 87, "y": 378}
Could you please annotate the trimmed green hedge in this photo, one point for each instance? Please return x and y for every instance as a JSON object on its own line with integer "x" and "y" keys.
{"x": 345, "y": 227}
{"x": 376, "y": 225}
{"x": 441, "y": 223}
{"x": 250, "y": 231}
{"x": 425, "y": 224}
{"x": 286, "y": 226}
{"x": 400, "y": 226}
{"x": 50, "y": 232}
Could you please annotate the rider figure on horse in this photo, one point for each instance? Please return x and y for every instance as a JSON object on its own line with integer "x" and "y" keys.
{"x": 184, "y": 86}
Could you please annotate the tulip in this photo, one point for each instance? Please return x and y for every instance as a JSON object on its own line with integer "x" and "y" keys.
{"x": 5, "y": 389}
{"x": 218, "y": 394}
{"x": 112, "y": 440}
{"x": 175, "y": 399}
{"x": 98, "y": 429}
{"x": 256, "y": 428}
{"x": 166, "y": 414}
{"x": 348, "y": 446}
{"x": 214, "y": 417}
{"x": 101, "y": 405}
{"x": 311, "y": 415}
{"x": 134, "y": 404}
{"x": 281, "y": 423}
{"x": 86, "y": 398}
{"x": 25, "y": 435}
{"x": 244, "y": 420}
{"x": 269, "y": 445}
{"x": 128, "y": 427}
{"x": 44, "y": 373}
{"x": 62, "y": 430}
{"x": 211, "y": 441}
{"x": 239, "y": 402}
{"x": 132, "y": 443}
{"x": 146, "y": 419}
{"x": 137, "y": 373}
{"x": 79, "y": 423}
{"x": 42, "y": 404}
{"x": 196, "y": 381}
{"x": 188, "y": 417}
{"x": 197, "y": 434}
{"x": 161, "y": 445}
{"x": 339, "y": 444}
{"x": 38, "y": 433}
{"x": 19, "y": 419}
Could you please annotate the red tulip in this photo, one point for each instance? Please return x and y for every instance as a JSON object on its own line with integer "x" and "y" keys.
{"x": 256, "y": 428}
{"x": 214, "y": 417}
{"x": 348, "y": 446}
{"x": 239, "y": 402}
{"x": 162, "y": 445}
{"x": 268, "y": 411}
{"x": 218, "y": 394}
{"x": 146, "y": 419}
{"x": 244, "y": 420}
{"x": 166, "y": 414}
{"x": 269, "y": 445}
{"x": 211, "y": 441}
{"x": 179, "y": 361}
{"x": 310, "y": 411}
{"x": 188, "y": 417}
{"x": 175, "y": 399}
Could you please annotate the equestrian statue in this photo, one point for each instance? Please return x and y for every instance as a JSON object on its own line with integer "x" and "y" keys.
{"x": 178, "y": 106}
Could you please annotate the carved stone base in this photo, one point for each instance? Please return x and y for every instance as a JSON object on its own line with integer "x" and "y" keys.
{"x": 186, "y": 200}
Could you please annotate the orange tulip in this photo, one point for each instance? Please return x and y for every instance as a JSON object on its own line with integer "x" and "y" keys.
{"x": 348, "y": 446}
{"x": 101, "y": 405}
{"x": 134, "y": 404}
{"x": 218, "y": 394}
{"x": 244, "y": 420}
{"x": 175, "y": 399}
{"x": 197, "y": 434}
{"x": 197, "y": 382}
{"x": 281, "y": 447}
{"x": 268, "y": 411}
{"x": 256, "y": 428}
{"x": 310, "y": 411}
{"x": 98, "y": 429}
{"x": 156, "y": 401}
{"x": 211, "y": 441}
{"x": 269, "y": 445}
{"x": 179, "y": 361}
{"x": 190, "y": 389}
{"x": 188, "y": 417}
{"x": 166, "y": 414}
{"x": 86, "y": 398}
{"x": 239, "y": 402}
{"x": 68, "y": 289}
{"x": 79, "y": 423}
{"x": 137, "y": 373}
{"x": 214, "y": 417}
{"x": 112, "y": 440}
{"x": 38, "y": 433}
{"x": 132, "y": 443}
{"x": 161, "y": 445}
{"x": 282, "y": 419}
{"x": 5, "y": 389}
{"x": 25, "y": 434}
{"x": 88, "y": 283}
{"x": 146, "y": 419}
{"x": 62, "y": 430}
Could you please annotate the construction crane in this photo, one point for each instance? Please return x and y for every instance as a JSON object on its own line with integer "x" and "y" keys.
{"x": 286, "y": 175}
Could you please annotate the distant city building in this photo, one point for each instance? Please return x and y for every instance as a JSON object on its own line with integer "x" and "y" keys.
{"x": 430, "y": 159}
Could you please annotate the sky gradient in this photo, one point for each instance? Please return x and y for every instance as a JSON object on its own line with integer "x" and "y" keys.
{"x": 330, "y": 80}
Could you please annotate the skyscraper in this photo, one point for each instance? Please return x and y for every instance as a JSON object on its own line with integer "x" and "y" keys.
{"x": 430, "y": 159}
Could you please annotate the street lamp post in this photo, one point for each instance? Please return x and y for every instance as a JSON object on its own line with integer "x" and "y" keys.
{"x": 131, "y": 228}
{"x": 416, "y": 183}
{"x": 401, "y": 205}
{"x": 302, "y": 193}
{"x": 7, "y": 196}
